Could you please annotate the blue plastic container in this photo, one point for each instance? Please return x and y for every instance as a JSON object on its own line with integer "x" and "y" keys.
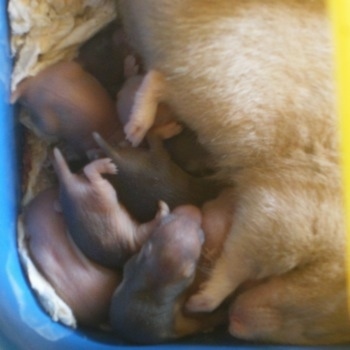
{"x": 23, "y": 323}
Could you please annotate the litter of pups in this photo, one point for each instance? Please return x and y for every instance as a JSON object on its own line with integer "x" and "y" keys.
{"x": 201, "y": 187}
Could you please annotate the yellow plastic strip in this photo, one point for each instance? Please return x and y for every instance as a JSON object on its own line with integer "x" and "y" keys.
{"x": 339, "y": 11}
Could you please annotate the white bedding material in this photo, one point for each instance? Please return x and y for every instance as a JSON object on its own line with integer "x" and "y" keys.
{"x": 44, "y": 32}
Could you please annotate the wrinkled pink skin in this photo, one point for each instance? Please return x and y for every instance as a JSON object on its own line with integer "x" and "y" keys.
{"x": 97, "y": 222}
{"x": 148, "y": 306}
{"x": 146, "y": 176}
{"x": 84, "y": 285}
{"x": 67, "y": 104}
{"x": 142, "y": 310}
{"x": 176, "y": 246}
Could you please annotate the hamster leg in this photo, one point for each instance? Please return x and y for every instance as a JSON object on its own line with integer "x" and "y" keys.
{"x": 301, "y": 306}
{"x": 145, "y": 107}
{"x": 97, "y": 167}
{"x": 271, "y": 234}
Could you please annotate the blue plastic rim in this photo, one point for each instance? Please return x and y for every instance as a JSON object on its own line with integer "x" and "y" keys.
{"x": 23, "y": 324}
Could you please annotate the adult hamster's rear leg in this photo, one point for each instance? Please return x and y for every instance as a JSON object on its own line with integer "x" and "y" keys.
{"x": 144, "y": 110}
{"x": 303, "y": 305}
{"x": 276, "y": 226}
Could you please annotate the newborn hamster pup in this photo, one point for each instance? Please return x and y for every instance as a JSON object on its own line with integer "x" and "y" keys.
{"x": 253, "y": 79}
{"x": 84, "y": 285}
{"x": 97, "y": 222}
{"x": 146, "y": 176}
{"x": 143, "y": 306}
{"x": 170, "y": 265}
{"x": 67, "y": 103}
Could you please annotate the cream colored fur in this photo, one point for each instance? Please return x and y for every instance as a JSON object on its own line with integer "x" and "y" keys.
{"x": 254, "y": 79}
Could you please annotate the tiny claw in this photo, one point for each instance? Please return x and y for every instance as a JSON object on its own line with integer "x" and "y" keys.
{"x": 163, "y": 210}
{"x": 168, "y": 130}
{"x": 112, "y": 167}
{"x": 134, "y": 133}
{"x": 130, "y": 66}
